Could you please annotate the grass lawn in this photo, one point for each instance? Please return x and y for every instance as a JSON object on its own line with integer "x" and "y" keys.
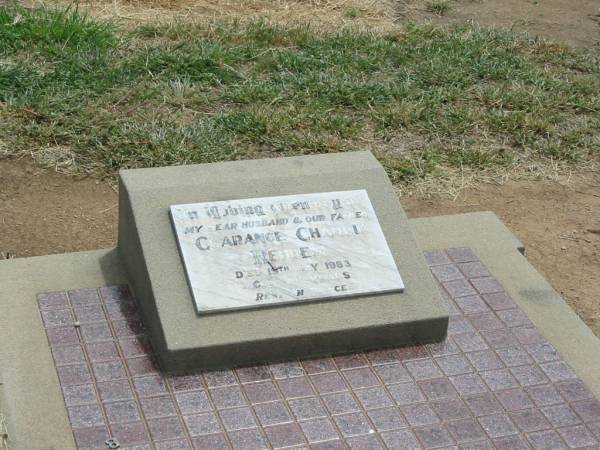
{"x": 426, "y": 100}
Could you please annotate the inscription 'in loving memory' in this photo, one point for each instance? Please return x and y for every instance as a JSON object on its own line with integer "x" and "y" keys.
{"x": 247, "y": 253}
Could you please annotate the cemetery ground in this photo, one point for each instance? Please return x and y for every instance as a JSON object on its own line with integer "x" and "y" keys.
{"x": 464, "y": 118}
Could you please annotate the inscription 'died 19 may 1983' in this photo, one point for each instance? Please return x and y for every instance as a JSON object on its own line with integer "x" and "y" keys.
{"x": 292, "y": 248}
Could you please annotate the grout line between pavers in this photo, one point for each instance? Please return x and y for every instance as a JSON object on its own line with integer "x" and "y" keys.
{"x": 130, "y": 377}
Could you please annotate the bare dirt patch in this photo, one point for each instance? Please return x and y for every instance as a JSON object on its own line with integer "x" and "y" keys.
{"x": 44, "y": 212}
{"x": 575, "y": 22}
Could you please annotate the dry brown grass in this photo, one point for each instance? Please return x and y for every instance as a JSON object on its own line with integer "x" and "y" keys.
{"x": 455, "y": 181}
{"x": 375, "y": 15}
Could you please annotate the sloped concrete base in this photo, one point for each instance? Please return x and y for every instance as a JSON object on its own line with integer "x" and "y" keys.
{"x": 185, "y": 340}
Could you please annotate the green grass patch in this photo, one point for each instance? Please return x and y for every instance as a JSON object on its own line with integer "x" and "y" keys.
{"x": 201, "y": 92}
{"x": 439, "y": 7}
{"x": 352, "y": 13}
{"x": 52, "y": 32}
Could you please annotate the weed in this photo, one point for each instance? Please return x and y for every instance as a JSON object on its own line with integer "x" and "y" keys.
{"x": 147, "y": 30}
{"x": 352, "y": 12}
{"x": 439, "y": 7}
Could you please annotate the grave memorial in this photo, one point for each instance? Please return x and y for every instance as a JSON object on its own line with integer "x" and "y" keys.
{"x": 250, "y": 261}
{"x": 200, "y": 329}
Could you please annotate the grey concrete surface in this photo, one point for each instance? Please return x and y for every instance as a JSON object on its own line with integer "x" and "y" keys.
{"x": 30, "y": 395}
{"x": 185, "y": 340}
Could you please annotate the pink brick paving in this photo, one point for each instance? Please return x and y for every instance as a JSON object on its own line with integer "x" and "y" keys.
{"x": 494, "y": 383}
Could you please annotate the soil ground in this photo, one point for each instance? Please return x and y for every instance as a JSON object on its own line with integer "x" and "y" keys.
{"x": 576, "y": 23}
{"x": 43, "y": 212}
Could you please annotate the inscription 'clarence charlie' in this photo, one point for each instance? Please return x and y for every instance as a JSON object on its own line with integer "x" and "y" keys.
{"x": 252, "y": 252}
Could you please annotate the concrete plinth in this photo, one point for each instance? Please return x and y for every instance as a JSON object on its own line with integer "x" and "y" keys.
{"x": 185, "y": 340}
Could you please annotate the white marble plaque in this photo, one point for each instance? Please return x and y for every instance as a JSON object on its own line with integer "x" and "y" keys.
{"x": 293, "y": 248}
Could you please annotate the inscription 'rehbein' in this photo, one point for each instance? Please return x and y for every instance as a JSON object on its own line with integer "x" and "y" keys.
{"x": 274, "y": 250}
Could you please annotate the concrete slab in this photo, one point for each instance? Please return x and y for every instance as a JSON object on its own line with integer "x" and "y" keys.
{"x": 185, "y": 340}
{"x": 31, "y": 397}
{"x": 503, "y": 253}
